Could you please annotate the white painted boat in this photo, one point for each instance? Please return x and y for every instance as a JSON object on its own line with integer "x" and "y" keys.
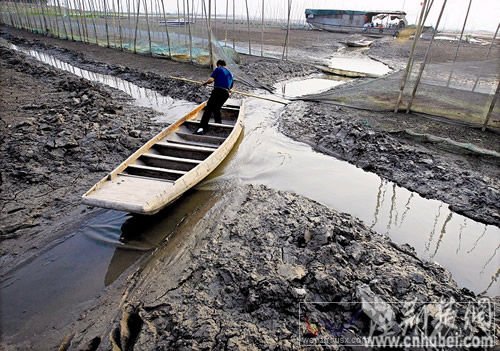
{"x": 169, "y": 164}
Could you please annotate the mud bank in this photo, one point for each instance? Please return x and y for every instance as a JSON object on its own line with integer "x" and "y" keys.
{"x": 59, "y": 134}
{"x": 236, "y": 280}
{"x": 468, "y": 183}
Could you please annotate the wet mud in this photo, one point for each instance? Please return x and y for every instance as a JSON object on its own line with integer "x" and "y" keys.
{"x": 59, "y": 134}
{"x": 468, "y": 183}
{"x": 245, "y": 267}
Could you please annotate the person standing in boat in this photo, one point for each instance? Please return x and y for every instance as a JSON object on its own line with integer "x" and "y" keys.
{"x": 223, "y": 83}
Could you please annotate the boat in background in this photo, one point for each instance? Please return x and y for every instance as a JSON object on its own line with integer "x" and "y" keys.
{"x": 169, "y": 164}
{"x": 349, "y": 21}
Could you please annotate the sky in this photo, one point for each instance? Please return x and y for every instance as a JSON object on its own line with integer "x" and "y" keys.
{"x": 484, "y": 14}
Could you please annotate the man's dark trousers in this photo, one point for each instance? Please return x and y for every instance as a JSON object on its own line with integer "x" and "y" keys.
{"x": 218, "y": 97}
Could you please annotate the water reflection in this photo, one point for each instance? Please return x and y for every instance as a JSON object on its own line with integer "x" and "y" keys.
{"x": 170, "y": 109}
{"x": 50, "y": 291}
{"x": 267, "y": 157}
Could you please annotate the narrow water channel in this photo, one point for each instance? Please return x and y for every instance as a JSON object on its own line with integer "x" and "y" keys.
{"x": 64, "y": 280}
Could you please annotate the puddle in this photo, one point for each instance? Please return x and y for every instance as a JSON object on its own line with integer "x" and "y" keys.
{"x": 468, "y": 249}
{"x": 170, "y": 109}
{"x": 299, "y": 87}
{"x": 359, "y": 63}
{"x": 50, "y": 291}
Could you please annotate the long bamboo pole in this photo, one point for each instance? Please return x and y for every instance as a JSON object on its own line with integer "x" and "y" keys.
{"x": 166, "y": 29}
{"x": 459, "y": 44}
{"x": 287, "y": 30}
{"x": 48, "y": 22}
{"x": 234, "y": 25}
{"x": 492, "y": 106}
{"x": 84, "y": 20}
{"x": 225, "y": 23}
{"x": 262, "y": 97}
{"x": 136, "y": 25}
{"x": 209, "y": 31}
{"x": 106, "y": 22}
{"x": 409, "y": 65}
{"x": 45, "y": 27}
{"x": 18, "y": 13}
{"x": 28, "y": 17}
{"x": 78, "y": 26}
{"x": 62, "y": 19}
{"x": 262, "y": 33}
{"x": 190, "y": 35}
{"x": 120, "y": 24}
{"x": 92, "y": 15}
{"x": 149, "y": 30}
{"x": 248, "y": 29}
{"x": 70, "y": 25}
{"x": 422, "y": 67}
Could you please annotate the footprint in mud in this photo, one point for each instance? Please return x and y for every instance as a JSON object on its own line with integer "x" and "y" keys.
{"x": 124, "y": 336}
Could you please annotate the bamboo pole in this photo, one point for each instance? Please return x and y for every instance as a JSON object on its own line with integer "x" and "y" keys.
{"x": 28, "y": 17}
{"x": 149, "y": 30}
{"x": 262, "y": 97}
{"x": 18, "y": 13}
{"x": 492, "y": 106}
{"x": 92, "y": 14}
{"x": 422, "y": 67}
{"x": 70, "y": 26}
{"x": 166, "y": 28}
{"x": 209, "y": 32}
{"x": 409, "y": 65}
{"x": 46, "y": 27}
{"x": 487, "y": 56}
{"x": 459, "y": 44}
{"x": 84, "y": 20}
{"x": 77, "y": 21}
{"x": 50, "y": 27}
{"x": 120, "y": 24}
{"x": 62, "y": 19}
{"x": 262, "y": 33}
{"x": 136, "y": 25}
{"x": 190, "y": 35}
{"x": 287, "y": 30}
{"x": 36, "y": 18}
{"x": 106, "y": 22}
{"x": 225, "y": 23}
{"x": 248, "y": 29}
{"x": 234, "y": 25}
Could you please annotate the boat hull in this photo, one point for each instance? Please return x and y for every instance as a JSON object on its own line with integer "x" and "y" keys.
{"x": 168, "y": 165}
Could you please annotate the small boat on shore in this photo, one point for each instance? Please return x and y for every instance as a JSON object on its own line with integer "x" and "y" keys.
{"x": 359, "y": 43}
{"x": 169, "y": 164}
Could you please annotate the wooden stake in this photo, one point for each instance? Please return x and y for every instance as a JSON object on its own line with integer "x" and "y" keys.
{"x": 225, "y": 23}
{"x": 234, "y": 26}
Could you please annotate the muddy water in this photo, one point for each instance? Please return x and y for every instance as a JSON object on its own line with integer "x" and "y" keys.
{"x": 69, "y": 276}
{"x": 50, "y": 291}
{"x": 357, "y": 62}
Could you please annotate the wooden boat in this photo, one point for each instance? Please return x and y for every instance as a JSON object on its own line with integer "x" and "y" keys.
{"x": 169, "y": 164}
{"x": 359, "y": 43}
